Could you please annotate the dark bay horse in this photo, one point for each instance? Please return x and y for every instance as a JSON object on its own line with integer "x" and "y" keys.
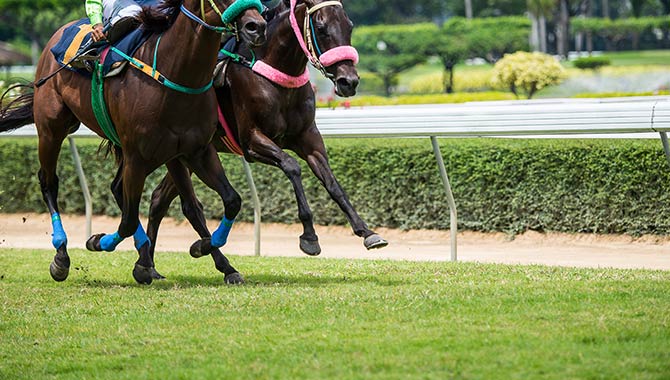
{"x": 268, "y": 117}
{"x": 156, "y": 125}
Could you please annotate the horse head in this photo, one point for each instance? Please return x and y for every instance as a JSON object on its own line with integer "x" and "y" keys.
{"x": 327, "y": 36}
{"x": 242, "y": 17}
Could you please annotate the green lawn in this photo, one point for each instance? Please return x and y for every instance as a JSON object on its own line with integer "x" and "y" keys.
{"x": 310, "y": 318}
{"x": 644, "y": 57}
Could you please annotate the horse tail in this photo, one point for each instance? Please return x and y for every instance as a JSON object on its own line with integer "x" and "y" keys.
{"x": 107, "y": 148}
{"x": 19, "y": 111}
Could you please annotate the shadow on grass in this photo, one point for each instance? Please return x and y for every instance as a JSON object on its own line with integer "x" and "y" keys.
{"x": 177, "y": 281}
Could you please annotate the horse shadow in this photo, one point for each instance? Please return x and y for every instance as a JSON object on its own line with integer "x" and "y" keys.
{"x": 256, "y": 280}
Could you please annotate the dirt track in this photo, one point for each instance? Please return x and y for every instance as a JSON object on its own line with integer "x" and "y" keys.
{"x": 583, "y": 250}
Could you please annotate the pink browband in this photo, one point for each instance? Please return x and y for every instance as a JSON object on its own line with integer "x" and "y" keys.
{"x": 340, "y": 53}
{"x": 279, "y": 77}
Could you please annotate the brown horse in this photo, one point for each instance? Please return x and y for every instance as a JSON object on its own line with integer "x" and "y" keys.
{"x": 155, "y": 124}
{"x": 267, "y": 117}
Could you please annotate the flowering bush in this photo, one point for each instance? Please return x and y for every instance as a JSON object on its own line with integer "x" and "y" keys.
{"x": 464, "y": 81}
{"x": 527, "y": 72}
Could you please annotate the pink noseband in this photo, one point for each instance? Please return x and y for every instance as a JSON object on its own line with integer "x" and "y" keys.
{"x": 340, "y": 53}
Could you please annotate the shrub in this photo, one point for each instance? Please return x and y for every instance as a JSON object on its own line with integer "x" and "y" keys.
{"x": 472, "y": 80}
{"x": 370, "y": 83}
{"x": 373, "y": 100}
{"x": 510, "y": 185}
{"x": 593, "y": 63}
{"x": 527, "y": 72}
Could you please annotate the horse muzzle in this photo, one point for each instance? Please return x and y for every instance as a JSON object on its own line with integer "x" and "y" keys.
{"x": 253, "y": 32}
{"x": 345, "y": 86}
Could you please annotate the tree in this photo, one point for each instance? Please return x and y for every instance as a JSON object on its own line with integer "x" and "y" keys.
{"x": 527, "y": 73}
{"x": 540, "y": 11}
{"x": 35, "y": 21}
{"x": 371, "y": 12}
{"x": 387, "y": 50}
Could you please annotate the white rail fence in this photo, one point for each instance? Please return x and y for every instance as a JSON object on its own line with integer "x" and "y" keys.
{"x": 647, "y": 117}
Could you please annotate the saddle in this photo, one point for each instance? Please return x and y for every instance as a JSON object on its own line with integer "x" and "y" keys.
{"x": 77, "y": 34}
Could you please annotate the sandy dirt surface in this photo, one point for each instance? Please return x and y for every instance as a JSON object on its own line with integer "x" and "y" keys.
{"x": 581, "y": 250}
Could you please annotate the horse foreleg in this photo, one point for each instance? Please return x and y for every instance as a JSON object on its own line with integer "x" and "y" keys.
{"x": 312, "y": 150}
{"x": 141, "y": 238}
{"x": 161, "y": 198}
{"x": 262, "y": 149}
{"x": 207, "y": 167}
{"x": 130, "y": 179}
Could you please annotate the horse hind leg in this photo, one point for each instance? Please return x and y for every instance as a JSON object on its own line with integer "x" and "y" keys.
{"x": 179, "y": 182}
{"x": 53, "y": 120}
{"x": 49, "y": 149}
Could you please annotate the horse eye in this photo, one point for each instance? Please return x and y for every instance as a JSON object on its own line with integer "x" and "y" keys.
{"x": 321, "y": 28}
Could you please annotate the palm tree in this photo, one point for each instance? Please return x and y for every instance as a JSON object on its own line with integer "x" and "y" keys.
{"x": 539, "y": 11}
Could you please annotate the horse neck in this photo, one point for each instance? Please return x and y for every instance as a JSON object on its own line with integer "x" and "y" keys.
{"x": 187, "y": 52}
{"x": 283, "y": 51}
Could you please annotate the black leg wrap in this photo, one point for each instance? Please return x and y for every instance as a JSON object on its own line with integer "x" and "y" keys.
{"x": 93, "y": 243}
{"x": 200, "y": 248}
{"x": 142, "y": 274}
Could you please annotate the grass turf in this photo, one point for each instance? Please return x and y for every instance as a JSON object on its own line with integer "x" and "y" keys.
{"x": 329, "y": 319}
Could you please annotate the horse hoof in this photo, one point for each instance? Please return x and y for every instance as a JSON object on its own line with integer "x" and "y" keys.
{"x": 375, "y": 241}
{"x": 200, "y": 248}
{"x": 310, "y": 247}
{"x": 155, "y": 275}
{"x": 234, "y": 279}
{"x": 58, "y": 273}
{"x": 142, "y": 274}
{"x": 93, "y": 243}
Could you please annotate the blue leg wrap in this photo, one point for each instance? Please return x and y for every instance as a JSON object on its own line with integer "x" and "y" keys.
{"x": 58, "y": 237}
{"x": 110, "y": 241}
{"x": 140, "y": 237}
{"x": 220, "y": 236}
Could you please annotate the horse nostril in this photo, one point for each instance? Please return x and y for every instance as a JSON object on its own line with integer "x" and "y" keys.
{"x": 251, "y": 26}
{"x": 350, "y": 83}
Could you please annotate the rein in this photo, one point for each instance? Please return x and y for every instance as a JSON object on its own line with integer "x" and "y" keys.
{"x": 230, "y": 14}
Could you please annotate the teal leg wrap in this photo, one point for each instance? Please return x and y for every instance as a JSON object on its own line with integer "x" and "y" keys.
{"x": 140, "y": 237}
{"x": 220, "y": 236}
{"x": 110, "y": 241}
{"x": 58, "y": 237}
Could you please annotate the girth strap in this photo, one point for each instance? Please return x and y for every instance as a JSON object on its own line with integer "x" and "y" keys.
{"x": 100, "y": 108}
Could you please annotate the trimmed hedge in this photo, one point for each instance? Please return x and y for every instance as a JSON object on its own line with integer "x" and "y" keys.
{"x": 603, "y": 186}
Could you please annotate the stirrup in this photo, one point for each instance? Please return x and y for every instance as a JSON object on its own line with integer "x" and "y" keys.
{"x": 87, "y": 60}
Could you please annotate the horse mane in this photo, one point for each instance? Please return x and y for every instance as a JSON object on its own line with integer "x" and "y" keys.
{"x": 159, "y": 18}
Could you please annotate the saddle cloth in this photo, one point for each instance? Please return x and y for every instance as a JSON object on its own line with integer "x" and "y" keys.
{"x": 79, "y": 33}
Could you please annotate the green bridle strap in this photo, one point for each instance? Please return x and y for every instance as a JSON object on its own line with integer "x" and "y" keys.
{"x": 239, "y": 58}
